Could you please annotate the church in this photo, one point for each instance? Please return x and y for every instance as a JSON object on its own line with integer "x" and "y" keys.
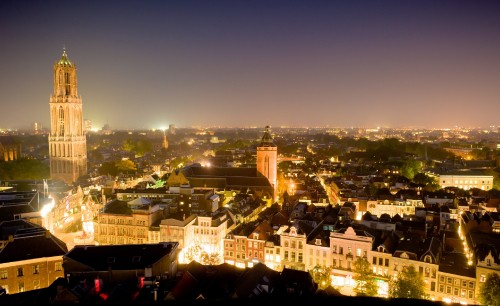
{"x": 262, "y": 179}
{"x": 67, "y": 141}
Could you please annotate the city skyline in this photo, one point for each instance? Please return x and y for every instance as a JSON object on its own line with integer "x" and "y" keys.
{"x": 235, "y": 63}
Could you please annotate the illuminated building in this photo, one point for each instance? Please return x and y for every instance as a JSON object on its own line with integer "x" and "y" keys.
{"x": 9, "y": 149}
{"x": 87, "y": 123}
{"x": 267, "y": 159}
{"x": 245, "y": 245}
{"x": 164, "y": 143}
{"x": 397, "y": 206}
{"x": 67, "y": 142}
{"x": 30, "y": 257}
{"x": 466, "y": 180}
{"x": 178, "y": 228}
{"x": 346, "y": 245}
{"x": 129, "y": 222}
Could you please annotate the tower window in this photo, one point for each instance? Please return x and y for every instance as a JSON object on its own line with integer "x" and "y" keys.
{"x": 61, "y": 121}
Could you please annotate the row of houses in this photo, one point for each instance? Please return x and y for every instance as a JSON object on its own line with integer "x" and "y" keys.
{"x": 303, "y": 235}
{"x": 309, "y": 235}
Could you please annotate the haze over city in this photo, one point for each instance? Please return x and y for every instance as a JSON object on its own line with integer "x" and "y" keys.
{"x": 252, "y": 63}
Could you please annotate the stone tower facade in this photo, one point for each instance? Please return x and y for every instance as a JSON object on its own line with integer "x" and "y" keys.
{"x": 267, "y": 159}
{"x": 67, "y": 142}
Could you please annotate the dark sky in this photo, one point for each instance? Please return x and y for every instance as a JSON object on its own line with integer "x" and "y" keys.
{"x": 147, "y": 64}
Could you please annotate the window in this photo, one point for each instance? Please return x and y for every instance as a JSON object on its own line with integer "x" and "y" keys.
{"x": 482, "y": 279}
{"x": 441, "y": 288}
{"x": 286, "y": 255}
{"x": 374, "y": 260}
{"x": 433, "y": 286}
{"x": 36, "y": 269}
{"x": 441, "y": 279}
{"x": 20, "y": 286}
{"x": 20, "y": 272}
{"x": 387, "y": 262}
{"x": 455, "y": 291}
{"x": 61, "y": 121}
{"x": 300, "y": 257}
{"x": 58, "y": 266}
{"x": 471, "y": 285}
{"x": 341, "y": 250}
{"x": 36, "y": 284}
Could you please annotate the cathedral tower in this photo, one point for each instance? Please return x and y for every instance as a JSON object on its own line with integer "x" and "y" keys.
{"x": 267, "y": 159}
{"x": 67, "y": 142}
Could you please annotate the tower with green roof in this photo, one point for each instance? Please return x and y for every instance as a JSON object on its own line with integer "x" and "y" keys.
{"x": 67, "y": 142}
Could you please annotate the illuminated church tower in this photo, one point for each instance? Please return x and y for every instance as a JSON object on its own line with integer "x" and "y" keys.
{"x": 267, "y": 159}
{"x": 67, "y": 142}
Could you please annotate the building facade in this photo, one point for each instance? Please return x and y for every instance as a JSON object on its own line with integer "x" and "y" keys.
{"x": 67, "y": 142}
{"x": 466, "y": 180}
{"x": 267, "y": 159}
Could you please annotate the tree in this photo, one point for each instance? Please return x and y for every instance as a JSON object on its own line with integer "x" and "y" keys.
{"x": 489, "y": 292}
{"x": 143, "y": 146}
{"x": 408, "y": 284}
{"x": 410, "y": 168}
{"x": 125, "y": 165}
{"x": 128, "y": 145}
{"x": 108, "y": 168}
{"x": 24, "y": 169}
{"x": 365, "y": 282}
{"x": 321, "y": 276}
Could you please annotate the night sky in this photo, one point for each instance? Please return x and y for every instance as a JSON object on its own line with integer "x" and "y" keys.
{"x": 148, "y": 64}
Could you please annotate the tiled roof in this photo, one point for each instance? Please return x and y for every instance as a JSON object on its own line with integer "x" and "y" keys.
{"x": 34, "y": 246}
{"x": 120, "y": 257}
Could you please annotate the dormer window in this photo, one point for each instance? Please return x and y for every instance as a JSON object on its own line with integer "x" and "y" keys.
{"x": 318, "y": 241}
{"x": 404, "y": 255}
{"x": 428, "y": 259}
{"x": 256, "y": 236}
